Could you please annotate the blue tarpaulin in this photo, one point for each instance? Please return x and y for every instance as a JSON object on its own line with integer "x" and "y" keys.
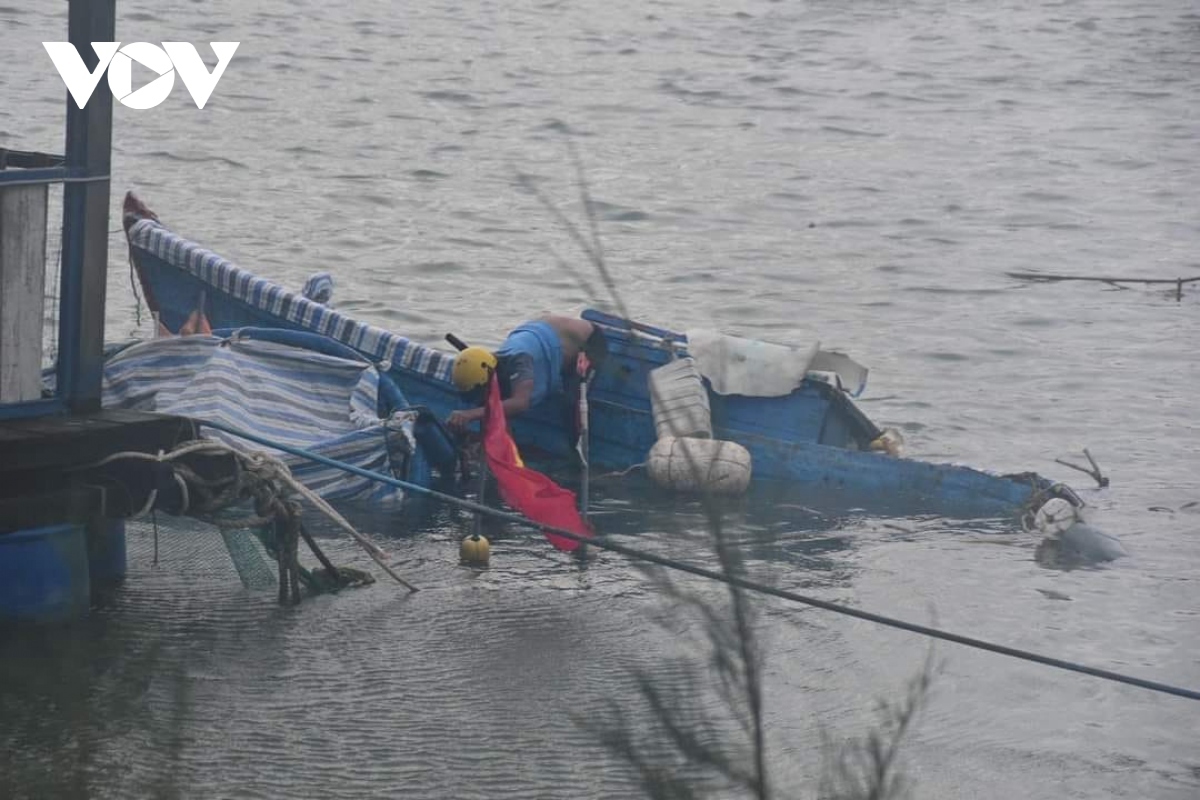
{"x": 298, "y": 397}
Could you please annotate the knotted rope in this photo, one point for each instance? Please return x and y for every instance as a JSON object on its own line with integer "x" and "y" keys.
{"x": 209, "y": 490}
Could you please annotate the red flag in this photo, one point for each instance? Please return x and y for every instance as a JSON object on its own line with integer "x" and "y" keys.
{"x": 527, "y": 490}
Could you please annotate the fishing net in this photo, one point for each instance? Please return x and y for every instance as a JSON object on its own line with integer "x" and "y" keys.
{"x": 196, "y": 551}
{"x": 250, "y": 500}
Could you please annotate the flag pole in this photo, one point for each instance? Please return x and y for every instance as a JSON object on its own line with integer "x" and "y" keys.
{"x": 583, "y": 446}
{"x": 483, "y": 476}
{"x": 475, "y": 549}
{"x": 483, "y": 466}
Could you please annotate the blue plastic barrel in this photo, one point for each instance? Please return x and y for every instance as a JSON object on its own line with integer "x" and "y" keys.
{"x": 44, "y": 574}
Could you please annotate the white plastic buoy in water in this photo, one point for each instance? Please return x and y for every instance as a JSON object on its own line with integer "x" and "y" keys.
{"x": 1055, "y": 516}
{"x": 1070, "y": 540}
{"x": 699, "y": 465}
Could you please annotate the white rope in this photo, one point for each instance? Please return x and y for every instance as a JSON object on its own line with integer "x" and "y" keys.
{"x": 186, "y": 500}
{"x": 621, "y": 473}
{"x": 268, "y": 468}
{"x": 146, "y": 509}
{"x": 150, "y": 499}
{"x": 372, "y": 549}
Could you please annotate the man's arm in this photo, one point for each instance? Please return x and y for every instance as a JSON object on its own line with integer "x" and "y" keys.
{"x": 522, "y": 396}
{"x": 518, "y": 404}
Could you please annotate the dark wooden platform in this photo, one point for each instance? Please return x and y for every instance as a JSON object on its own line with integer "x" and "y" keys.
{"x": 57, "y": 442}
{"x": 40, "y": 456}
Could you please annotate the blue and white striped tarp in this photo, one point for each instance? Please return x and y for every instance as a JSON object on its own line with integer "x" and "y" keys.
{"x": 225, "y": 276}
{"x": 295, "y": 397}
{"x": 318, "y": 288}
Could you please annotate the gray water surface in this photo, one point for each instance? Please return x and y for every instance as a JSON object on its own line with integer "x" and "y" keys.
{"x": 863, "y": 173}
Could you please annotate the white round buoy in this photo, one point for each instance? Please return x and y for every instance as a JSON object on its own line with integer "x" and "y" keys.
{"x": 1055, "y": 516}
{"x": 699, "y": 465}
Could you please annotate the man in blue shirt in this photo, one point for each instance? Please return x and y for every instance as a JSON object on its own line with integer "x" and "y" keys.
{"x": 535, "y": 362}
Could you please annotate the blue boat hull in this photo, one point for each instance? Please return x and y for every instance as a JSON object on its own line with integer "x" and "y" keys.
{"x": 816, "y": 436}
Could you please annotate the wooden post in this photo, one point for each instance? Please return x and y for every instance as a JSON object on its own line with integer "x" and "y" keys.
{"x": 22, "y": 291}
{"x": 85, "y": 217}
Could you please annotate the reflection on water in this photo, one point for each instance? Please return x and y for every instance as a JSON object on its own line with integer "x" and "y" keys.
{"x": 72, "y": 692}
{"x": 188, "y": 685}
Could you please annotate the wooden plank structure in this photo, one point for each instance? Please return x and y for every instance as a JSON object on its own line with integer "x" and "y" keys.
{"x": 22, "y": 290}
{"x": 84, "y": 173}
{"x": 40, "y": 459}
{"x": 47, "y": 437}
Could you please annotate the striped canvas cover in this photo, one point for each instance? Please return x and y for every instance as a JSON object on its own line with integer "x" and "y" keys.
{"x": 296, "y": 397}
{"x": 225, "y": 276}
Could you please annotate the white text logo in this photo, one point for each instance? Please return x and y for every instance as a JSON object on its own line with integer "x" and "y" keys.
{"x": 164, "y": 61}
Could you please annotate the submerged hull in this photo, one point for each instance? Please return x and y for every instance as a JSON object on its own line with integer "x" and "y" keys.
{"x": 815, "y": 436}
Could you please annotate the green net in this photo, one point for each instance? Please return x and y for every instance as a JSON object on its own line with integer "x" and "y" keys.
{"x": 246, "y": 551}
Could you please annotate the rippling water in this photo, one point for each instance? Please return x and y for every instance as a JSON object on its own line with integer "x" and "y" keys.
{"x": 862, "y": 172}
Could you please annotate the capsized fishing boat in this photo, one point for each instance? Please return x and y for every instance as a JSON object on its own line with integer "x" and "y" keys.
{"x": 798, "y": 422}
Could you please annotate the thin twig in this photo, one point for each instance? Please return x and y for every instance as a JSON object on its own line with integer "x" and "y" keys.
{"x": 1094, "y": 472}
{"x": 1038, "y": 276}
{"x": 592, "y": 250}
{"x": 585, "y": 196}
{"x": 578, "y": 276}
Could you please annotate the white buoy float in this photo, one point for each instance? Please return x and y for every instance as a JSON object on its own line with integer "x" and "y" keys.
{"x": 709, "y": 466}
{"x": 1069, "y": 539}
{"x": 679, "y": 400}
{"x": 686, "y": 458}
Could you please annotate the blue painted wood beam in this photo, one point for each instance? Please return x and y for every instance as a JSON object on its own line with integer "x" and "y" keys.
{"x": 85, "y": 217}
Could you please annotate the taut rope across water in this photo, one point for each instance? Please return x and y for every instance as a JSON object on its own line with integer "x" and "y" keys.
{"x": 748, "y": 585}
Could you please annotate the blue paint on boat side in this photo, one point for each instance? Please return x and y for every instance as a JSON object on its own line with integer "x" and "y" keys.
{"x": 44, "y": 575}
{"x": 876, "y": 480}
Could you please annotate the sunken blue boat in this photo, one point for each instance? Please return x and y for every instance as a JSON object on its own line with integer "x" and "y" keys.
{"x": 809, "y": 438}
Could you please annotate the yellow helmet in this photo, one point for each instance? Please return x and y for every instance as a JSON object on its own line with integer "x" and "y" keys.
{"x": 473, "y": 368}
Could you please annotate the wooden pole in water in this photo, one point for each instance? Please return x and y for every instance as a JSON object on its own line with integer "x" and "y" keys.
{"x": 22, "y": 291}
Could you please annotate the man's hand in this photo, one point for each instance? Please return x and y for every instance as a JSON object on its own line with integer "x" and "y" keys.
{"x": 459, "y": 420}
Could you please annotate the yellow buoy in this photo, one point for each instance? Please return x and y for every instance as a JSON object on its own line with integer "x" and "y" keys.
{"x": 474, "y": 550}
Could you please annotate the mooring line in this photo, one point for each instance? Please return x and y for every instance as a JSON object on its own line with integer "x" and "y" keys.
{"x": 743, "y": 583}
